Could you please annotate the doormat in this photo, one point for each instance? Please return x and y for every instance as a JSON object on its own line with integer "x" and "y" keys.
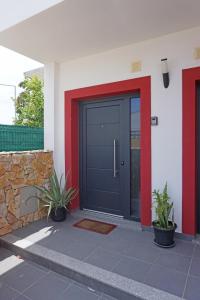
{"x": 96, "y": 226}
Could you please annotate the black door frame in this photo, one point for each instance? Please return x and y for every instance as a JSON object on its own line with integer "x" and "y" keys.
{"x": 125, "y": 170}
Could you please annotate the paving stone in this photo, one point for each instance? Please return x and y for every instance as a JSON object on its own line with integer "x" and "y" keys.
{"x": 174, "y": 261}
{"x": 22, "y": 297}
{"x": 195, "y": 267}
{"x": 22, "y": 276}
{"x": 192, "y": 291}
{"x": 50, "y": 287}
{"x": 6, "y": 293}
{"x": 106, "y": 297}
{"x": 182, "y": 247}
{"x": 166, "y": 279}
{"x": 143, "y": 251}
{"x": 124, "y": 251}
{"x": 37, "y": 265}
{"x": 76, "y": 249}
{"x": 197, "y": 251}
{"x": 4, "y": 253}
{"x": 104, "y": 259}
{"x": 132, "y": 268}
{"x": 8, "y": 263}
{"x": 76, "y": 292}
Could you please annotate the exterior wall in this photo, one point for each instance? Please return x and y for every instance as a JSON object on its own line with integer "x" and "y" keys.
{"x": 115, "y": 65}
{"x": 19, "y": 171}
{"x": 50, "y": 88}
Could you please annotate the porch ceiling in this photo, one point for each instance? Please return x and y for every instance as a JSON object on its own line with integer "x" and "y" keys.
{"x": 76, "y": 28}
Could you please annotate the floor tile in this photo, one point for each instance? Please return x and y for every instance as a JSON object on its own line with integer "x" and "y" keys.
{"x": 132, "y": 268}
{"x": 106, "y": 297}
{"x": 22, "y": 276}
{"x": 22, "y": 297}
{"x": 6, "y": 293}
{"x": 61, "y": 277}
{"x": 192, "y": 291}
{"x": 4, "y": 253}
{"x": 197, "y": 251}
{"x": 76, "y": 249}
{"x": 49, "y": 287}
{"x": 166, "y": 279}
{"x": 8, "y": 263}
{"x": 37, "y": 265}
{"x": 144, "y": 251}
{"x": 104, "y": 259}
{"x": 182, "y": 247}
{"x": 75, "y": 292}
{"x": 131, "y": 236}
{"x": 174, "y": 261}
{"x": 58, "y": 240}
{"x": 115, "y": 245}
{"x": 195, "y": 267}
{"x": 81, "y": 234}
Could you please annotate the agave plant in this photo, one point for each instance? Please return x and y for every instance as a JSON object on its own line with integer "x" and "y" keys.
{"x": 56, "y": 196}
{"x": 163, "y": 209}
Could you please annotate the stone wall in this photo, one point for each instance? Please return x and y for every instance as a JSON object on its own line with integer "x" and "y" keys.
{"x": 19, "y": 171}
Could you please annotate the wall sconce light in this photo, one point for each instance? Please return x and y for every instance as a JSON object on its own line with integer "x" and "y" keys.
{"x": 165, "y": 72}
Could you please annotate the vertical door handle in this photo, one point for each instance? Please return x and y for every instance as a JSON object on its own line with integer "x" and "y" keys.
{"x": 114, "y": 159}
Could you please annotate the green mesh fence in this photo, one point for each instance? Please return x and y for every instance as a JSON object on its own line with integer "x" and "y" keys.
{"x": 21, "y": 138}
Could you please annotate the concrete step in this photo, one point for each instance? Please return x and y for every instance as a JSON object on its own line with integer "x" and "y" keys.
{"x": 94, "y": 277}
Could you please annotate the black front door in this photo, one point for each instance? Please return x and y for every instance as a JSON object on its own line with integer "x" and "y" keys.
{"x": 198, "y": 157}
{"x": 105, "y": 155}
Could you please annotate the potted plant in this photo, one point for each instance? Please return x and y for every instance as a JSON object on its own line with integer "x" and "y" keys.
{"x": 164, "y": 226}
{"x": 56, "y": 198}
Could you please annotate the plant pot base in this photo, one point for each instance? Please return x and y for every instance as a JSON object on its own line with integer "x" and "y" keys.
{"x": 58, "y": 215}
{"x": 164, "y": 237}
{"x": 162, "y": 246}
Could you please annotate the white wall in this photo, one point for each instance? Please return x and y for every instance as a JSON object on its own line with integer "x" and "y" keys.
{"x": 115, "y": 65}
{"x": 51, "y": 77}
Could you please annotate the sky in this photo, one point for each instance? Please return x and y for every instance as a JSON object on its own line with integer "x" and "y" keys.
{"x": 12, "y": 68}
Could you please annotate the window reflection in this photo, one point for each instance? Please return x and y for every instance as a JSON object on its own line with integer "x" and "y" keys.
{"x": 135, "y": 157}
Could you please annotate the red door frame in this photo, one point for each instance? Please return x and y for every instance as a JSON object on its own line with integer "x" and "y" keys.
{"x": 189, "y": 218}
{"x": 72, "y": 98}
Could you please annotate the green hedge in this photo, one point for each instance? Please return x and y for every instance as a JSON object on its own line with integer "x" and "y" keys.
{"x": 21, "y": 138}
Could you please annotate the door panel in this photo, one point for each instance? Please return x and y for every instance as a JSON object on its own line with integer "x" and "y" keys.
{"x": 102, "y": 123}
{"x": 105, "y": 157}
{"x": 102, "y": 179}
{"x": 101, "y": 201}
{"x": 135, "y": 157}
{"x": 103, "y": 115}
{"x": 103, "y": 134}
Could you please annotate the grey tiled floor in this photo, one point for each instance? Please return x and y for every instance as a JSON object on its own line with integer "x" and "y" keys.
{"x": 125, "y": 251}
{"x": 23, "y": 280}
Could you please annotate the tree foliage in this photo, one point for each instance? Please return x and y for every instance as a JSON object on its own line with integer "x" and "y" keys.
{"x": 30, "y": 103}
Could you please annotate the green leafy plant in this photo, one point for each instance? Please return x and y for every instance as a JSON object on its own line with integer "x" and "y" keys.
{"x": 56, "y": 196}
{"x": 163, "y": 209}
{"x": 29, "y": 105}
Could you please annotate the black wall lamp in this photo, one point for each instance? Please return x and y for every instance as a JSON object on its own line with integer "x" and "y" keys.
{"x": 165, "y": 72}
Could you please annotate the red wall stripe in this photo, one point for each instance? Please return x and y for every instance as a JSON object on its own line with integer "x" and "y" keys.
{"x": 72, "y": 97}
{"x": 189, "y": 79}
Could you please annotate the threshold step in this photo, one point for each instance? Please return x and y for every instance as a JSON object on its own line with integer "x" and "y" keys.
{"x": 96, "y": 278}
{"x": 23, "y": 279}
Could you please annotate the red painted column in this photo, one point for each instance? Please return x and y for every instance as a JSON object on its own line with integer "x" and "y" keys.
{"x": 145, "y": 94}
{"x": 189, "y": 78}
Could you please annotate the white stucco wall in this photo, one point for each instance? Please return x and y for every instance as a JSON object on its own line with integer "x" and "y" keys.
{"x": 51, "y": 77}
{"x": 115, "y": 65}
